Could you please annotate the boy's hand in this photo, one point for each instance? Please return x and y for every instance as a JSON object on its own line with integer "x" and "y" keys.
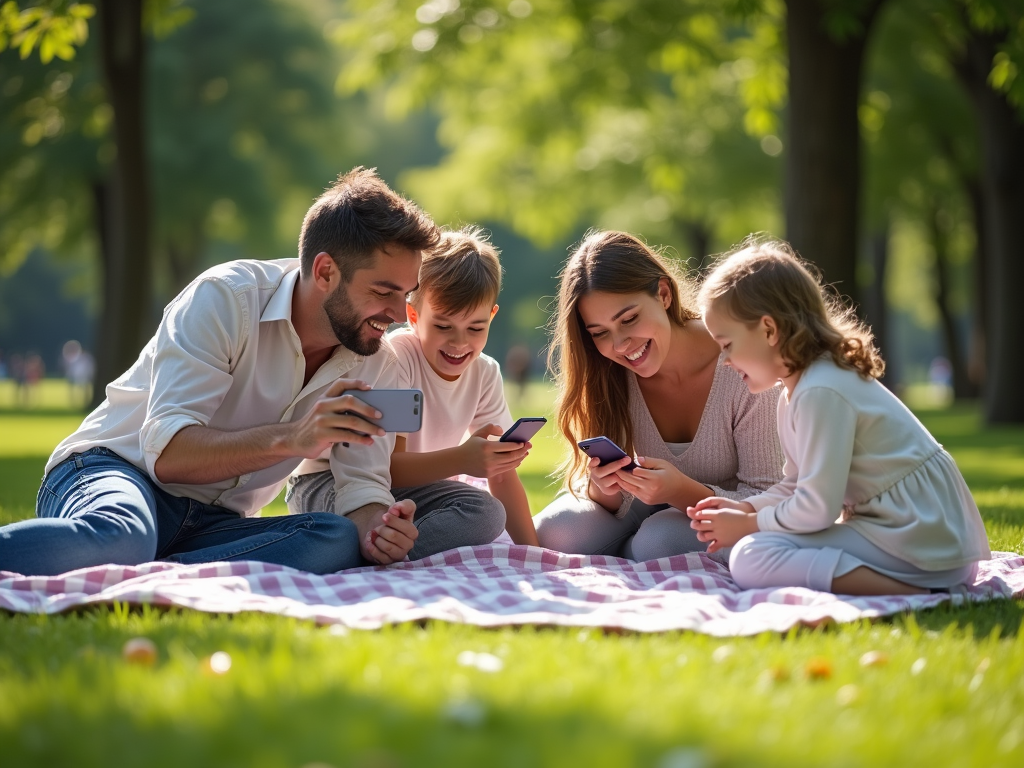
{"x": 489, "y": 458}
{"x": 392, "y": 538}
{"x": 721, "y": 528}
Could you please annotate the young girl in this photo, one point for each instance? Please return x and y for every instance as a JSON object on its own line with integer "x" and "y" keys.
{"x": 870, "y": 503}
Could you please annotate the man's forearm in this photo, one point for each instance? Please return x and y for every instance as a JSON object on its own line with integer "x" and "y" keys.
{"x": 197, "y": 455}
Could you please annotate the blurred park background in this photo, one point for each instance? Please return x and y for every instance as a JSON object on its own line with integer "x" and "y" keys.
{"x": 143, "y": 141}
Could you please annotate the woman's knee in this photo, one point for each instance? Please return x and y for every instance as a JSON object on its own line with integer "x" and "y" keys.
{"x": 567, "y": 524}
{"x": 665, "y": 534}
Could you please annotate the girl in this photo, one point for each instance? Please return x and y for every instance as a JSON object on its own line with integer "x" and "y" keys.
{"x": 870, "y": 504}
{"x": 633, "y": 361}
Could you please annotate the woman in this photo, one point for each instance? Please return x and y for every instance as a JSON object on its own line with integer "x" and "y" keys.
{"x": 633, "y": 361}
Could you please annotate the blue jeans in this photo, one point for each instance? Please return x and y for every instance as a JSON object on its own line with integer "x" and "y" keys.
{"x": 95, "y": 508}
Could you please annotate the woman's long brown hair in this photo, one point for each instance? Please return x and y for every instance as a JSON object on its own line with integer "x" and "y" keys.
{"x": 593, "y": 393}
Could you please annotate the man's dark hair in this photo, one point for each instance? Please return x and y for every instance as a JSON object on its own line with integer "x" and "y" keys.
{"x": 358, "y": 215}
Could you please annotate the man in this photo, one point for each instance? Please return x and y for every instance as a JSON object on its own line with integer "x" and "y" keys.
{"x": 247, "y": 375}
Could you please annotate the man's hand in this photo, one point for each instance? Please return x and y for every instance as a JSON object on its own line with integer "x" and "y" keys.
{"x": 488, "y": 458}
{"x": 721, "y": 527}
{"x": 335, "y": 418}
{"x": 394, "y": 534}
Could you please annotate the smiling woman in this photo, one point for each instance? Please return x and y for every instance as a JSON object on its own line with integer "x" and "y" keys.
{"x": 633, "y": 361}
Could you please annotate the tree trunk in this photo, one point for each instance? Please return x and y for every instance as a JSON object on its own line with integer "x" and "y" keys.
{"x": 976, "y": 368}
{"x": 123, "y": 202}
{"x": 822, "y": 158}
{"x": 950, "y": 333}
{"x": 1002, "y": 194}
{"x": 874, "y": 309}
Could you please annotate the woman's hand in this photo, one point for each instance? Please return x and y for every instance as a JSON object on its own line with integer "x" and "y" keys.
{"x": 721, "y": 527}
{"x": 654, "y": 481}
{"x": 607, "y": 478}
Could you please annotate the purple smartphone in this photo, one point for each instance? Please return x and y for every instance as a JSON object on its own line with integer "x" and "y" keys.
{"x": 604, "y": 449}
{"x": 523, "y": 429}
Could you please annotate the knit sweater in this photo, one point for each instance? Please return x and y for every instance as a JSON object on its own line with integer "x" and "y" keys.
{"x": 735, "y": 451}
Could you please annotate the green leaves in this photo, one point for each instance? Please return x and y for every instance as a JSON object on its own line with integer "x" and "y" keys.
{"x": 56, "y": 28}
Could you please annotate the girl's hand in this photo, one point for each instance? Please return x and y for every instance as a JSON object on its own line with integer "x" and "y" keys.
{"x": 720, "y": 502}
{"x": 653, "y": 482}
{"x": 607, "y": 478}
{"x": 721, "y": 527}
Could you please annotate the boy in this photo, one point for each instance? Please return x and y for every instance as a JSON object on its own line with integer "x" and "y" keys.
{"x": 442, "y": 353}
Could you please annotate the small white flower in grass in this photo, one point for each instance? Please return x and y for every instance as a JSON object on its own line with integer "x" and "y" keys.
{"x": 337, "y": 630}
{"x": 684, "y": 757}
{"x": 467, "y": 712}
{"x": 918, "y": 666}
{"x": 847, "y": 695}
{"x": 485, "y": 662}
{"x": 722, "y": 653}
{"x": 976, "y": 682}
{"x": 220, "y": 662}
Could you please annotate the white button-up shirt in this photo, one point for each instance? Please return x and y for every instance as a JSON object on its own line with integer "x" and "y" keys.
{"x": 227, "y": 356}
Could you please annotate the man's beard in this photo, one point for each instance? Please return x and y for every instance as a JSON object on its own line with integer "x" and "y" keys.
{"x": 347, "y": 325}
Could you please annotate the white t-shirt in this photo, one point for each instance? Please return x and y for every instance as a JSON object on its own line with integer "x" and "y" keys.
{"x": 452, "y": 410}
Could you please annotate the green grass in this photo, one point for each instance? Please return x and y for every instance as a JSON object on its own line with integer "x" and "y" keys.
{"x": 951, "y": 690}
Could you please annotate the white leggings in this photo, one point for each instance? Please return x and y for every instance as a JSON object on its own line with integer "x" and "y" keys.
{"x": 768, "y": 559}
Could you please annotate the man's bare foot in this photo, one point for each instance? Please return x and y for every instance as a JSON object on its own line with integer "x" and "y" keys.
{"x": 386, "y": 534}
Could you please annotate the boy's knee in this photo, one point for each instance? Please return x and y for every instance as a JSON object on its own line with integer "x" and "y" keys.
{"x": 490, "y": 519}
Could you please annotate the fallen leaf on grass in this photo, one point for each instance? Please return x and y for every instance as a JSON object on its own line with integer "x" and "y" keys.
{"x": 874, "y": 659}
{"x": 140, "y": 650}
{"x": 818, "y": 668}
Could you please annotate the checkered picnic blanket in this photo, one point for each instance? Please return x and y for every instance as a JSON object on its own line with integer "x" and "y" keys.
{"x": 493, "y": 585}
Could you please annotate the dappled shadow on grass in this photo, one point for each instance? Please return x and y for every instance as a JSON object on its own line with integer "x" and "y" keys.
{"x": 19, "y": 481}
{"x": 1002, "y": 617}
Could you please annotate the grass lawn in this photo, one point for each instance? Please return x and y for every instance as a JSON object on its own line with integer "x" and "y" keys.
{"x": 945, "y": 688}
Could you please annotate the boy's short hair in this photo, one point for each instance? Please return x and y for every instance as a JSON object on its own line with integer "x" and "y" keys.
{"x": 357, "y": 216}
{"x": 461, "y": 272}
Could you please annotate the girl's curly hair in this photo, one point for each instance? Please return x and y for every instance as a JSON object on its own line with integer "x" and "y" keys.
{"x": 764, "y": 276}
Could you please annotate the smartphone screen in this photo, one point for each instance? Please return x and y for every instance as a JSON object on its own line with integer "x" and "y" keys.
{"x": 523, "y": 429}
{"x": 605, "y": 450}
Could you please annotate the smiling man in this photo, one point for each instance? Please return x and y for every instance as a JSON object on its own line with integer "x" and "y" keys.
{"x": 248, "y": 374}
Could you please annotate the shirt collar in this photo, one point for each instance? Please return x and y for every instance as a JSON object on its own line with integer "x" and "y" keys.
{"x": 280, "y": 305}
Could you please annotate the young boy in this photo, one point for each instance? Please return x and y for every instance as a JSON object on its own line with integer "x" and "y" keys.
{"x": 442, "y": 353}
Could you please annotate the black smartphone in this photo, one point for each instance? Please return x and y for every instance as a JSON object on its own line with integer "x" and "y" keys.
{"x": 604, "y": 449}
{"x": 523, "y": 429}
{"x": 401, "y": 409}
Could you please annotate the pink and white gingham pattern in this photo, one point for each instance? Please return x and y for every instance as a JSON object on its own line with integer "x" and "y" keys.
{"x": 488, "y": 586}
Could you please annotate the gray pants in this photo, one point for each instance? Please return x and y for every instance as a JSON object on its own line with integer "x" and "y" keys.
{"x": 769, "y": 559}
{"x": 449, "y": 514}
{"x": 584, "y": 527}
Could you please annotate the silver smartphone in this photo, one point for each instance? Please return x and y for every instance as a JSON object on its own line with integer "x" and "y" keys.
{"x": 401, "y": 409}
